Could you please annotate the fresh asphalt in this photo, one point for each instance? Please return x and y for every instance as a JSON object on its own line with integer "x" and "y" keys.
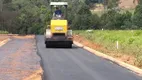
{"x": 78, "y": 64}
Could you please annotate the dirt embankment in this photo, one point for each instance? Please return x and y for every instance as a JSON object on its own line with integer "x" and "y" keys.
{"x": 20, "y": 61}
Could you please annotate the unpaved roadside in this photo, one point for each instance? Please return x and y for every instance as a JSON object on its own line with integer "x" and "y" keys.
{"x": 19, "y": 59}
{"x": 3, "y": 37}
{"x": 122, "y": 57}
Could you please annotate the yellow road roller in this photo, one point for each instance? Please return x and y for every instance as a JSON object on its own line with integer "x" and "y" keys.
{"x": 58, "y": 33}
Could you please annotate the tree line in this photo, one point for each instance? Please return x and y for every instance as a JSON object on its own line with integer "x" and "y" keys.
{"x": 32, "y": 16}
{"x": 113, "y": 18}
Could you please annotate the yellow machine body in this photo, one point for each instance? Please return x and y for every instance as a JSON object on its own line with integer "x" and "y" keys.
{"x": 59, "y": 26}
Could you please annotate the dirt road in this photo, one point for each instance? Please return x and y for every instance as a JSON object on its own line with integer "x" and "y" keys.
{"x": 18, "y": 58}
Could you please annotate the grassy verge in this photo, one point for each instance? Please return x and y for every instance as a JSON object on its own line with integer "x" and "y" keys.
{"x": 3, "y": 32}
{"x": 129, "y": 42}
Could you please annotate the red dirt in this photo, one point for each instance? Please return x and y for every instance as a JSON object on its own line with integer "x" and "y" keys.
{"x": 3, "y": 37}
{"x": 125, "y": 58}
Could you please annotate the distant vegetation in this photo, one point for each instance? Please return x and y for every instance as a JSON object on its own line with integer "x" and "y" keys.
{"x": 26, "y": 16}
{"x": 32, "y": 16}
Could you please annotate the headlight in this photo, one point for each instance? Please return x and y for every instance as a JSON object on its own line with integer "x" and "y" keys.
{"x": 48, "y": 33}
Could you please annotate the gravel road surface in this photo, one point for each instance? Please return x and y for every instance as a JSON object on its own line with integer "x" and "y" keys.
{"x": 18, "y": 59}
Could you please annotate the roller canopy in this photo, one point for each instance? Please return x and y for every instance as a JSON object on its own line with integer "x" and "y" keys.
{"x": 58, "y": 3}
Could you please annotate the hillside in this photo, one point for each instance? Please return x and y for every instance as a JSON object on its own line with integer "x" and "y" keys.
{"x": 128, "y": 4}
{"x": 124, "y": 4}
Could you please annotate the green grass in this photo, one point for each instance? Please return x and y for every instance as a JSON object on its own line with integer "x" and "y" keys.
{"x": 130, "y": 41}
{"x": 3, "y": 32}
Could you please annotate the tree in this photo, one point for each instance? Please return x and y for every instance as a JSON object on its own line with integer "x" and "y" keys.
{"x": 84, "y": 10}
{"x": 137, "y": 17}
{"x": 127, "y": 20}
{"x": 7, "y": 1}
{"x": 82, "y": 18}
{"x": 111, "y": 4}
{"x": 112, "y": 20}
{"x": 32, "y": 18}
{"x": 95, "y": 21}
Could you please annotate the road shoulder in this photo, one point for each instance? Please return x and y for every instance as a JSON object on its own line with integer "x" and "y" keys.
{"x": 128, "y": 66}
{"x": 4, "y": 41}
